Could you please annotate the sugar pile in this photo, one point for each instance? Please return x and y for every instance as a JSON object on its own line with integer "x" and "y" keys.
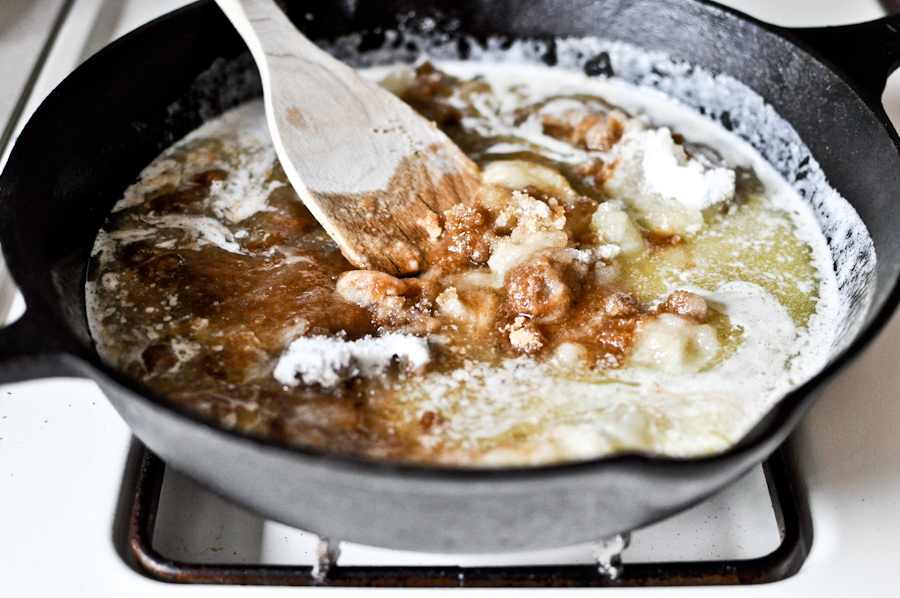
{"x": 328, "y": 361}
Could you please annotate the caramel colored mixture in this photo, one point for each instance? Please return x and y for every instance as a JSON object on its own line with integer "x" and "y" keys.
{"x": 213, "y": 285}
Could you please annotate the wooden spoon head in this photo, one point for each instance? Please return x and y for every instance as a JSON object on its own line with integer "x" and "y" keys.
{"x": 393, "y": 229}
{"x": 372, "y": 171}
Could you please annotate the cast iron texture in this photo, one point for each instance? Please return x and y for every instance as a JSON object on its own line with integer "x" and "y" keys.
{"x": 94, "y": 134}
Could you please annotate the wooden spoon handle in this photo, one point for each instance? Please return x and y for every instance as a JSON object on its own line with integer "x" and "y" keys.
{"x": 371, "y": 170}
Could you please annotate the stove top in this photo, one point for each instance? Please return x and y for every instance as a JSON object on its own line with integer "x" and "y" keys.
{"x": 755, "y": 531}
{"x": 64, "y": 500}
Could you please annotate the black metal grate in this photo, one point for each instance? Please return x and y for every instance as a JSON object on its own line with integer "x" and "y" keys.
{"x": 783, "y": 562}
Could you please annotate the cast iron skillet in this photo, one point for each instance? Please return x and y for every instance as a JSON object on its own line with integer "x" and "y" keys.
{"x": 109, "y": 119}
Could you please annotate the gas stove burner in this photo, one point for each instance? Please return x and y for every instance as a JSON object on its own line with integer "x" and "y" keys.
{"x": 783, "y": 562}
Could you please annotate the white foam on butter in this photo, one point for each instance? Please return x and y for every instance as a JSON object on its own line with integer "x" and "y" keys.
{"x": 245, "y": 190}
{"x": 632, "y": 409}
{"x": 202, "y": 230}
{"x": 243, "y": 132}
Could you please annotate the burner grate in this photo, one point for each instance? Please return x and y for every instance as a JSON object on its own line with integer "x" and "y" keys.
{"x": 781, "y": 563}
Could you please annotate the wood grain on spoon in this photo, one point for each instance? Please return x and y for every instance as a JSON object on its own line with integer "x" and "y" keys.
{"x": 372, "y": 171}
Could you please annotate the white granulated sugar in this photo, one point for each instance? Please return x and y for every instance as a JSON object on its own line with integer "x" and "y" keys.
{"x": 687, "y": 182}
{"x": 608, "y": 251}
{"x": 328, "y": 361}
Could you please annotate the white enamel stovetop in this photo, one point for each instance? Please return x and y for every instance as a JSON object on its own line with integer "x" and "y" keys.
{"x": 63, "y": 448}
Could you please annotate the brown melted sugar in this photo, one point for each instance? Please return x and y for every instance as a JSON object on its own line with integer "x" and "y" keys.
{"x": 242, "y": 310}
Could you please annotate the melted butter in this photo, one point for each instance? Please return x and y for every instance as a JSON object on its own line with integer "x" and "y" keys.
{"x": 754, "y": 242}
{"x": 759, "y": 264}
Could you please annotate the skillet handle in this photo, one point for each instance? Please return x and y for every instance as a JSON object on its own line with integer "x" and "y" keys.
{"x": 33, "y": 347}
{"x": 866, "y": 53}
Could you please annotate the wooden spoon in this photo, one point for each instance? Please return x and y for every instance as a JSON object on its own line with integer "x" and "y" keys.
{"x": 370, "y": 169}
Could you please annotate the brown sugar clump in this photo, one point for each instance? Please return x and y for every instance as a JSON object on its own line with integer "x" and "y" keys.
{"x": 618, "y": 305}
{"x": 587, "y": 130}
{"x": 467, "y": 232}
{"x": 544, "y": 287}
{"x": 428, "y": 95}
{"x": 688, "y": 305}
{"x": 524, "y": 335}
